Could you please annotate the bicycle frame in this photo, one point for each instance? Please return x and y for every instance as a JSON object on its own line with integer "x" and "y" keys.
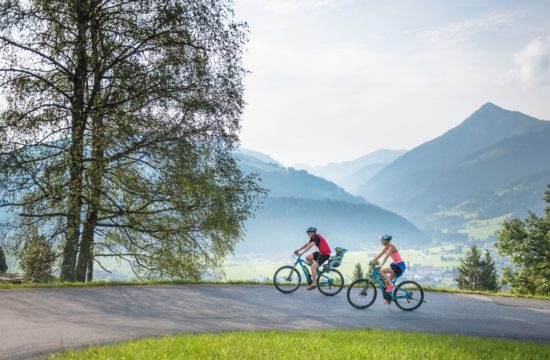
{"x": 375, "y": 274}
{"x": 305, "y": 268}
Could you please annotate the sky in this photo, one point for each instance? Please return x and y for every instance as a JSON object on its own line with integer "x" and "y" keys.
{"x": 331, "y": 80}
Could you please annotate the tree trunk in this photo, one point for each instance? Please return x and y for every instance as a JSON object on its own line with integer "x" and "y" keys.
{"x": 90, "y": 276}
{"x": 77, "y": 144}
{"x": 98, "y": 167}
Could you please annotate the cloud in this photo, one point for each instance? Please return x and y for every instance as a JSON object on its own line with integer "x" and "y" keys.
{"x": 532, "y": 64}
{"x": 462, "y": 30}
{"x": 295, "y": 6}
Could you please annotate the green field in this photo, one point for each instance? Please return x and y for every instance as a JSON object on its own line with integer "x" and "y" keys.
{"x": 262, "y": 268}
{"x": 482, "y": 229}
{"x": 315, "y": 344}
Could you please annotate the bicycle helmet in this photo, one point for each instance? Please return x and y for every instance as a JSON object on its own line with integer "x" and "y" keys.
{"x": 312, "y": 229}
{"x": 386, "y": 237}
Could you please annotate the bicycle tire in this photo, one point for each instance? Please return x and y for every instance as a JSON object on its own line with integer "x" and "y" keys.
{"x": 361, "y": 285}
{"x": 291, "y": 287}
{"x": 339, "y": 284}
{"x": 403, "y": 303}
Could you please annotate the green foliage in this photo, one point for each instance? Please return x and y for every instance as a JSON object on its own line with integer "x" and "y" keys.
{"x": 3, "y": 264}
{"x": 358, "y": 272}
{"x": 36, "y": 259}
{"x": 488, "y": 275}
{"x": 527, "y": 243}
{"x": 351, "y": 344}
{"x": 477, "y": 274}
{"x": 117, "y": 131}
{"x": 547, "y": 199}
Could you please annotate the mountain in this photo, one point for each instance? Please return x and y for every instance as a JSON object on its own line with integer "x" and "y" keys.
{"x": 289, "y": 182}
{"x": 344, "y": 172}
{"x": 256, "y": 155}
{"x": 494, "y": 164}
{"x": 353, "y": 182}
{"x": 298, "y": 199}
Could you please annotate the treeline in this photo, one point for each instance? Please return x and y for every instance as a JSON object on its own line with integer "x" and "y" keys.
{"x": 527, "y": 243}
{"x": 117, "y": 127}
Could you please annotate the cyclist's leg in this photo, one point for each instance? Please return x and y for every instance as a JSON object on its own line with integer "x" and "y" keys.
{"x": 310, "y": 257}
{"x": 314, "y": 267}
{"x": 388, "y": 275}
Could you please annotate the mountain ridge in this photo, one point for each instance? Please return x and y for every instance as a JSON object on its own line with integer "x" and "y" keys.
{"x": 298, "y": 199}
{"x": 471, "y": 162}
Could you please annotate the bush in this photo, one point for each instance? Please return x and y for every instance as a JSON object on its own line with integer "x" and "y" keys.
{"x": 3, "y": 265}
{"x": 527, "y": 243}
{"x": 358, "y": 272}
{"x": 36, "y": 260}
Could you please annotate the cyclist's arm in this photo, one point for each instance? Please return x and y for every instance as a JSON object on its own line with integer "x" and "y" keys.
{"x": 385, "y": 259}
{"x": 306, "y": 246}
{"x": 391, "y": 249}
{"x": 379, "y": 255}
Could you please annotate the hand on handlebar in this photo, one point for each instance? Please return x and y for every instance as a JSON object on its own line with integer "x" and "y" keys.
{"x": 297, "y": 253}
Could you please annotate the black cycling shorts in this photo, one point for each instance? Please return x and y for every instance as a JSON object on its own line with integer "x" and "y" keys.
{"x": 320, "y": 259}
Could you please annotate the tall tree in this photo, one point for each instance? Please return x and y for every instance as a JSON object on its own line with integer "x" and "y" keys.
{"x": 358, "y": 272}
{"x": 120, "y": 122}
{"x": 476, "y": 273}
{"x": 488, "y": 274}
{"x": 527, "y": 243}
{"x": 469, "y": 272}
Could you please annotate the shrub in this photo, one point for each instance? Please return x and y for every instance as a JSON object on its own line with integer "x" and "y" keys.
{"x": 36, "y": 260}
{"x": 3, "y": 265}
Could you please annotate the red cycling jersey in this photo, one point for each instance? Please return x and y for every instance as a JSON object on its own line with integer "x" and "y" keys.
{"x": 321, "y": 243}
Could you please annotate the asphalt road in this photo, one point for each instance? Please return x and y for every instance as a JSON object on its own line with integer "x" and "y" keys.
{"x": 36, "y": 322}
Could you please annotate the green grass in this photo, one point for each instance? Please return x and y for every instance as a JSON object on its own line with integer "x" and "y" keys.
{"x": 482, "y": 229}
{"x": 315, "y": 344}
{"x": 58, "y": 284}
{"x": 257, "y": 267}
{"x": 489, "y": 293}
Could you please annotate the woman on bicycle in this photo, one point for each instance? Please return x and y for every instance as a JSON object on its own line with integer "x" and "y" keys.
{"x": 397, "y": 267}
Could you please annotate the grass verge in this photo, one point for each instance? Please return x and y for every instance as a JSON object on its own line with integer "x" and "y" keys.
{"x": 489, "y": 293}
{"x": 58, "y": 284}
{"x": 315, "y": 344}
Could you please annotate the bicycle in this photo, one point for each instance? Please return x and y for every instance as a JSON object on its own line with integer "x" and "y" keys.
{"x": 408, "y": 295}
{"x": 287, "y": 278}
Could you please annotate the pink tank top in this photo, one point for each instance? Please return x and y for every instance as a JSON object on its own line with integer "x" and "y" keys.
{"x": 396, "y": 257}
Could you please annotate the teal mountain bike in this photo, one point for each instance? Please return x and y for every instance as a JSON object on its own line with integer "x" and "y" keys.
{"x": 408, "y": 295}
{"x": 287, "y": 279}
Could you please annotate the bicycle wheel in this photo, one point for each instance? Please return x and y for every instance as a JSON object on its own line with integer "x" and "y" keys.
{"x": 408, "y": 295}
{"x": 287, "y": 279}
{"x": 330, "y": 283}
{"x": 361, "y": 293}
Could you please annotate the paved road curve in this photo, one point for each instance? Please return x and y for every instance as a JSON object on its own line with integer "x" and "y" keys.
{"x": 35, "y": 322}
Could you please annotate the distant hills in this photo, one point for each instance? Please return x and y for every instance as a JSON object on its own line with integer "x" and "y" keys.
{"x": 351, "y": 174}
{"x": 494, "y": 164}
{"x": 298, "y": 199}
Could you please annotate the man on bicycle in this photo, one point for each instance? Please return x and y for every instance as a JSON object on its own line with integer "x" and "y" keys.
{"x": 317, "y": 258}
